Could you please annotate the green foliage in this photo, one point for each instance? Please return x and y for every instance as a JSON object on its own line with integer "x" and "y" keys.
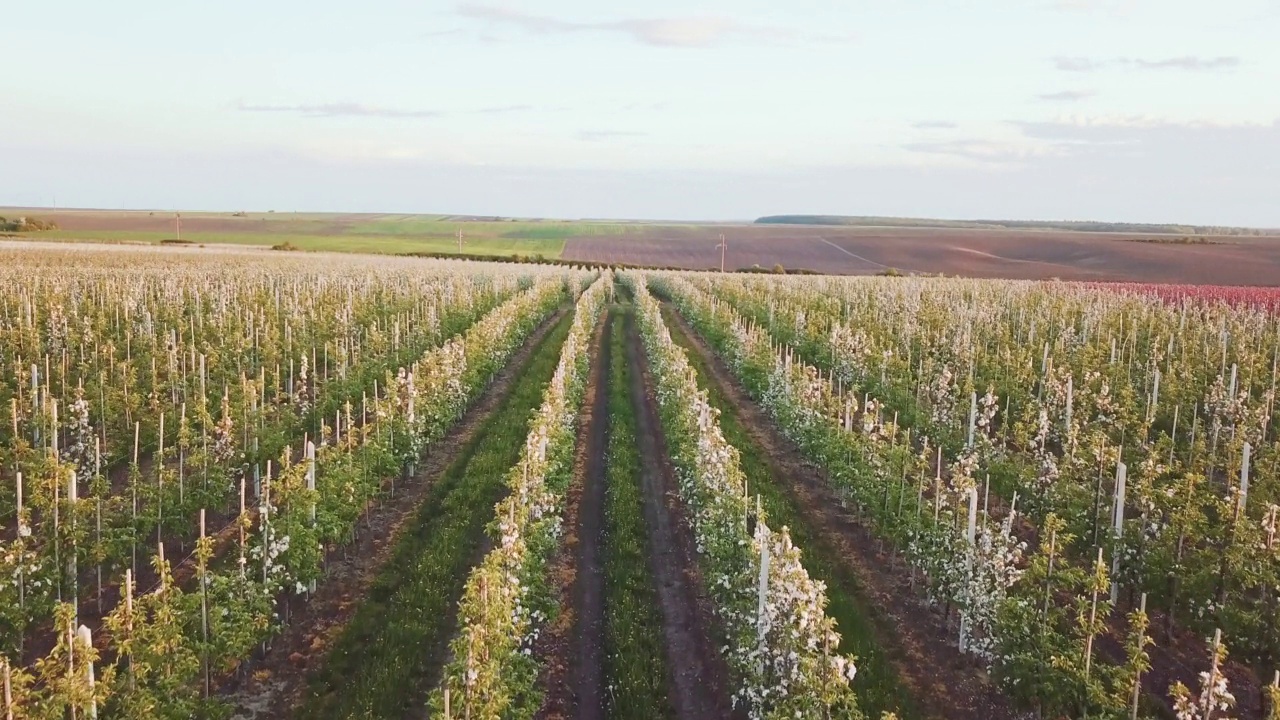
{"x": 877, "y": 684}
{"x": 384, "y": 659}
{"x": 160, "y": 675}
{"x": 61, "y": 678}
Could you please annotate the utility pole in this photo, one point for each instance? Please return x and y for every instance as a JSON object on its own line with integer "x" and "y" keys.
{"x": 723, "y": 246}
{"x": 177, "y": 221}
{"x": 459, "y": 241}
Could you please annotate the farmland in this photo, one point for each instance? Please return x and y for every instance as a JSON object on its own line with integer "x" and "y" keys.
{"x": 334, "y": 232}
{"x": 264, "y": 485}
{"x": 986, "y": 252}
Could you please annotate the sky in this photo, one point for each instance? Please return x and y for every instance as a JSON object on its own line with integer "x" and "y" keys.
{"x": 1117, "y": 110}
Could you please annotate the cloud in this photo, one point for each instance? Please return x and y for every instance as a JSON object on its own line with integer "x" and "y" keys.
{"x": 1137, "y": 130}
{"x": 1113, "y": 6}
{"x": 1068, "y": 95}
{"x": 1077, "y": 64}
{"x": 632, "y": 107}
{"x": 442, "y": 33}
{"x": 354, "y": 109}
{"x": 982, "y": 151}
{"x": 1189, "y": 63}
{"x": 599, "y": 135}
{"x": 934, "y": 125}
{"x": 338, "y": 109}
{"x": 503, "y": 109}
{"x": 694, "y": 31}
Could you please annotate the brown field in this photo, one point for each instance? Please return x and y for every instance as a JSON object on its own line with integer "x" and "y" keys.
{"x": 971, "y": 253}
{"x": 984, "y": 253}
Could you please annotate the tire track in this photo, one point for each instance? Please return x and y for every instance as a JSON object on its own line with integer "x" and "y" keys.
{"x": 573, "y": 672}
{"x": 697, "y": 674}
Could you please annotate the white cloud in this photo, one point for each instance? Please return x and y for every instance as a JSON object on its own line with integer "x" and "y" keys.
{"x": 337, "y": 109}
{"x": 693, "y": 31}
{"x": 1113, "y": 6}
{"x": 361, "y": 110}
{"x": 598, "y": 135}
{"x": 1188, "y": 63}
{"x": 995, "y": 152}
{"x": 1068, "y": 95}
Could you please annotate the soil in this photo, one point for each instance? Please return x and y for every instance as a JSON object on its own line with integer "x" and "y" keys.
{"x": 698, "y": 677}
{"x": 981, "y": 253}
{"x": 944, "y": 682}
{"x": 272, "y": 688}
{"x": 573, "y": 668}
{"x": 1181, "y": 657}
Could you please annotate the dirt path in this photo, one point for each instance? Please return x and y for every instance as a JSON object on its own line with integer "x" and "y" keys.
{"x": 698, "y": 676}
{"x": 279, "y": 678}
{"x": 573, "y": 647}
{"x": 944, "y": 682}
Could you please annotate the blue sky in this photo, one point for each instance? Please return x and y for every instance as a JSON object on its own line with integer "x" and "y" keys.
{"x": 1134, "y": 110}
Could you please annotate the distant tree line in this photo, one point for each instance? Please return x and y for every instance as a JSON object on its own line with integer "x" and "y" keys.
{"x": 1178, "y": 240}
{"x": 1076, "y": 225}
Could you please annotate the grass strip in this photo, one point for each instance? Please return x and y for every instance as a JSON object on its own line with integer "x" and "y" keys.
{"x": 635, "y": 666}
{"x": 385, "y": 661}
{"x": 877, "y": 684}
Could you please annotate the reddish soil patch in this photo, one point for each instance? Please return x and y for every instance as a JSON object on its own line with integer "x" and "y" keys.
{"x": 1012, "y": 254}
{"x": 573, "y": 674}
{"x": 943, "y": 681}
{"x": 279, "y": 677}
{"x": 697, "y": 679}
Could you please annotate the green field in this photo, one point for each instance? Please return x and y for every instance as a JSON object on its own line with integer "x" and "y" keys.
{"x": 364, "y": 233}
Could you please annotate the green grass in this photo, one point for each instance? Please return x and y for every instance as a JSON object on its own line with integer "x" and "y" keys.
{"x": 878, "y": 686}
{"x": 385, "y": 661}
{"x": 635, "y": 666}
{"x": 336, "y": 232}
{"x": 388, "y": 234}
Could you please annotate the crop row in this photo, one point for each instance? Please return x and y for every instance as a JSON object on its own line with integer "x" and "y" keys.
{"x": 508, "y": 598}
{"x": 779, "y": 642}
{"x": 1189, "y": 529}
{"x": 160, "y": 643}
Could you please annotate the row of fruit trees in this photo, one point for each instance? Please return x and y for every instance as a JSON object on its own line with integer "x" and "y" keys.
{"x": 509, "y": 598}
{"x": 1059, "y": 465}
{"x": 780, "y": 643}
{"x": 187, "y": 441}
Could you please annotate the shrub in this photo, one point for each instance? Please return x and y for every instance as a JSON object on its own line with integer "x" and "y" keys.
{"x": 26, "y": 224}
